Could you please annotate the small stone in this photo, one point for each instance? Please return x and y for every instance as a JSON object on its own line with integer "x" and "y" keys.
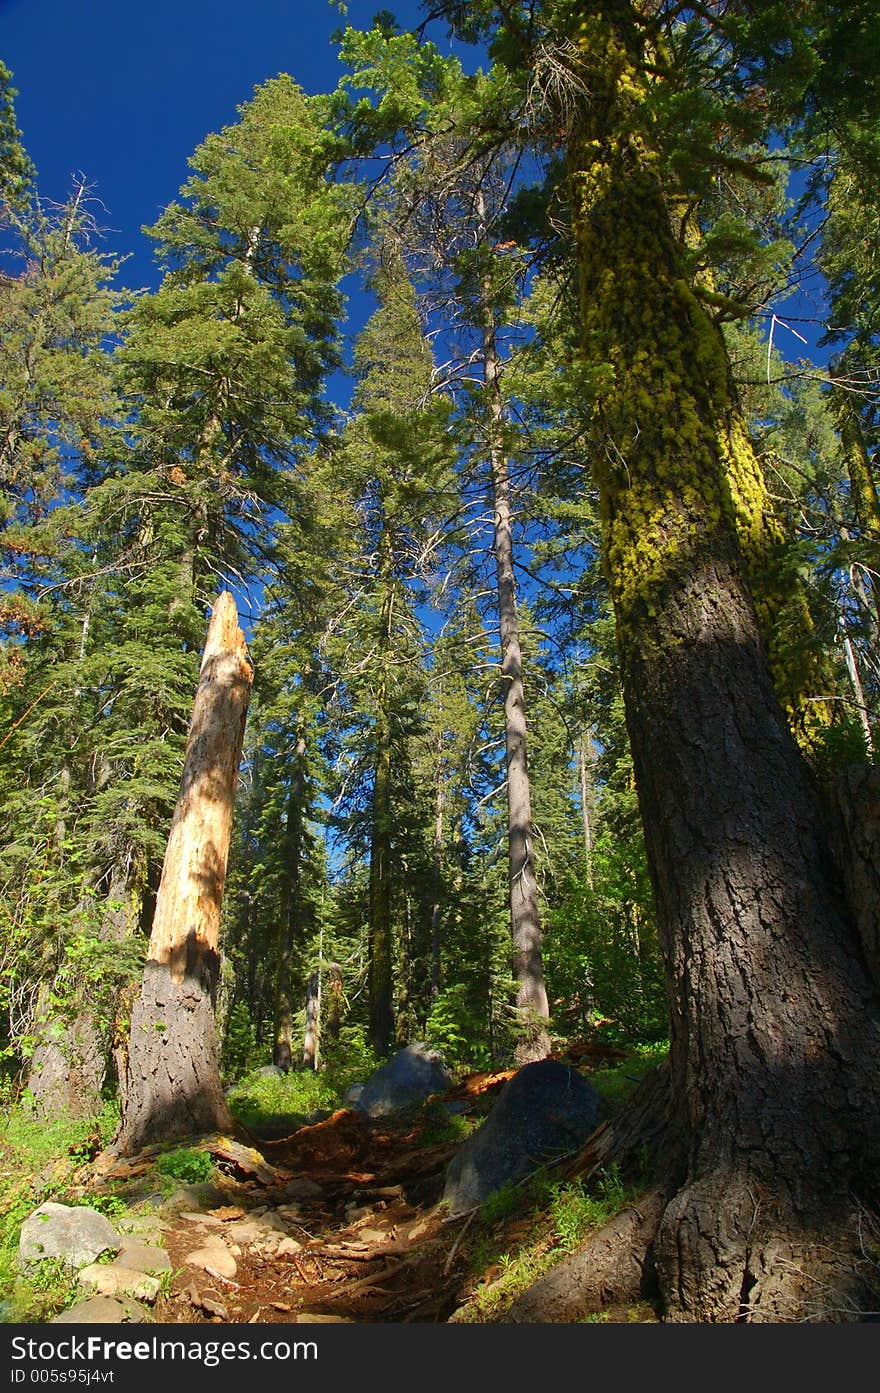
{"x": 287, "y": 1247}
{"x": 213, "y": 1259}
{"x": 247, "y": 1231}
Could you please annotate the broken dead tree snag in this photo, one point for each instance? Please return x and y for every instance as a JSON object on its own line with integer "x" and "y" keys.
{"x": 172, "y": 1085}
{"x": 187, "y": 918}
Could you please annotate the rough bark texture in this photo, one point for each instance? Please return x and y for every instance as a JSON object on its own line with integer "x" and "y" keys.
{"x": 775, "y": 1024}
{"x": 172, "y": 1086}
{"x": 313, "y": 1021}
{"x": 293, "y": 914}
{"x": 614, "y": 1268}
{"x": 334, "y": 1000}
{"x": 381, "y": 933}
{"x": 856, "y": 842}
{"x": 528, "y": 971}
{"x": 381, "y": 961}
{"x": 67, "y": 1068}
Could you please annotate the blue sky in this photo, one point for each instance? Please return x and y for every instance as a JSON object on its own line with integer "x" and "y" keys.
{"x": 122, "y": 92}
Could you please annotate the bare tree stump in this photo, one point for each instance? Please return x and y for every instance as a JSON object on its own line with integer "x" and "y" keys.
{"x": 172, "y": 1087}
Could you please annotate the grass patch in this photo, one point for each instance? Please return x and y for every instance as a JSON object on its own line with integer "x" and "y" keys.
{"x": 37, "y": 1161}
{"x": 438, "y": 1125}
{"x": 616, "y": 1084}
{"x": 524, "y": 1229}
{"x": 266, "y": 1102}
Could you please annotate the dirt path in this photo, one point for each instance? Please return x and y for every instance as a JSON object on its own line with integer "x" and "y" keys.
{"x": 339, "y": 1222}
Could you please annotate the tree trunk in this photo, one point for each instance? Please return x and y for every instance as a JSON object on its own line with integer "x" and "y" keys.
{"x": 775, "y": 1024}
{"x": 381, "y": 979}
{"x": 172, "y": 1087}
{"x": 67, "y": 1068}
{"x": 585, "y": 772}
{"x": 313, "y": 1021}
{"x": 334, "y": 1000}
{"x": 291, "y": 910}
{"x": 381, "y": 944}
{"x": 532, "y": 1007}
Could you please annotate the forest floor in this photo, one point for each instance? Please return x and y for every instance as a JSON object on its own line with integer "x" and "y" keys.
{"x": 343, "y": 1221}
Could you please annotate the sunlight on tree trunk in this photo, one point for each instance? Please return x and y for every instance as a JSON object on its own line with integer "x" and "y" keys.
{"x": 173, "y": 1084}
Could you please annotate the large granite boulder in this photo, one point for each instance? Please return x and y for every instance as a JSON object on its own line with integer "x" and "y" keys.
{"x": 408, "y": 1077}
{"x": 545, "y": 1111}
{"x": 76, "y": 1234}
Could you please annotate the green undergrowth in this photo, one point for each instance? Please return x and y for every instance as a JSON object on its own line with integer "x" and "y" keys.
{"x": 266, "y": 1102}
{"x": 617, "y": 1083}
{"x": 524, "y": 1229}
{"x": 186, "y": 1164}
{"x": 37, "y": 1162}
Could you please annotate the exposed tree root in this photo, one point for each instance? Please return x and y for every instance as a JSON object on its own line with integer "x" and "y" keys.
{"x": 612, "y": 1267}
{"x": 722, "y": 1248}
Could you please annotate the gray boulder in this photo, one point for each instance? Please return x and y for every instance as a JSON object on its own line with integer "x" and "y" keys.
{"x": 102, "y": 1310}
{"x": 408, "y": 1077}
{"x": 543, "y": 1112}
{"x": 74, "y": 1233}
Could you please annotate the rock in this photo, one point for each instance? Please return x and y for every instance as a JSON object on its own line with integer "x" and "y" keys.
{"x": 269, "y": 1071}
{"x": 113, "y": 1280}
{"x": 287, "y": 1247}
{"x": 244, "y": 1231}
{"x": 192, "y": 1197}
{"x": 407, "y": 1077}
{"x": 142, "y": 1257}
{"x": 73, "y": 1233}
{"x": 213, "y": 1259}
{"x": 543, "y": 1112}
{"x": 102, "y": 1310}
{"x": 351, "y": 1095}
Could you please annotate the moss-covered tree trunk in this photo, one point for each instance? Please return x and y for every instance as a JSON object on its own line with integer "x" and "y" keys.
{"x": 775, "y": 1024}
{"x": 172, "y": 1086}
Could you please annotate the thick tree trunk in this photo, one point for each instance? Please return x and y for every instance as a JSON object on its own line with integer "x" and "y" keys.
{"x": 68, "y": 1066}
{"x": 775, "y": 1024}
{"x": 856, "y": 845}
{"x": 172, "y": 1086}
{"x": 532, "y": 1007}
